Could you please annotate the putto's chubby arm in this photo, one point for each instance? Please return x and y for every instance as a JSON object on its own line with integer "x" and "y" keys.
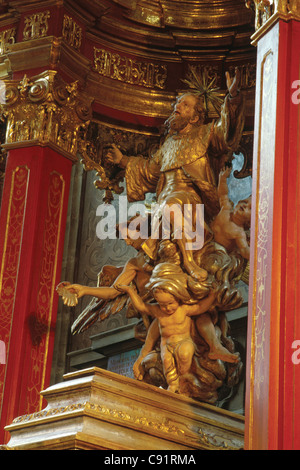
{"x": 223, "y": 189}
{"x": 202, "y": 306}
{"x": 107, "y": 293}
{"x": 138, "y": 303}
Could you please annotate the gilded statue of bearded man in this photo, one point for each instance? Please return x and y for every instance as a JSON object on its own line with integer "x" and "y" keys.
{"x": 182, "y": 169}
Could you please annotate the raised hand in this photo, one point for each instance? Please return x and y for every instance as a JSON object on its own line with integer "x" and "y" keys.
{"x": 114, "y": 155}
{"x": 122, "y": 288}
{"x": 233, "y": 83}
{"x": 225, "y": 172}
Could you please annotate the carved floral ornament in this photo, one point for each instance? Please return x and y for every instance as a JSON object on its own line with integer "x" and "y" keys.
{"x": 45, "y": 109}
{"x": 36, "y": 25}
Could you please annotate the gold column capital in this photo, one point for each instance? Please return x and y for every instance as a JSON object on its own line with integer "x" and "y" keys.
{"x": 44, "y": 110}
{"x": 267, "y": 12}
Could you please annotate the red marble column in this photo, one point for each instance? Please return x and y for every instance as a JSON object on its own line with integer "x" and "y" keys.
{"x": 273, "y": 364}
{"x": 32, "y": 226}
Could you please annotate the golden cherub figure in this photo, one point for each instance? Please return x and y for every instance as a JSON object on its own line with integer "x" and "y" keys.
{"x": 173, "y": 323}
{"x": 229, "y": 226}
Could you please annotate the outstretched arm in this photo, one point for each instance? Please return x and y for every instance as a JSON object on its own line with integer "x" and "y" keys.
{"x": 202, "y": 306}
{"x": 107, "y": 293}
{"x": 141, "y": 175}
{"x": 115, "y": 156}
{"x": 223, "y": 188}
{"x": 233, "y": 83}
{"x": 99, "y": 292}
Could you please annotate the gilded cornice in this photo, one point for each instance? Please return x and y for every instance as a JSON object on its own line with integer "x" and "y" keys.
{"x": 139, "y": 48}
{"x": 193, "y": 14}
{"x": 28, "y": 5}
{"x": 124, "y": 97}
{"x": 40, "y": 52}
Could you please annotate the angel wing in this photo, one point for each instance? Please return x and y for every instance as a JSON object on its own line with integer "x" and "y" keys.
{"x": 97, "y": 309}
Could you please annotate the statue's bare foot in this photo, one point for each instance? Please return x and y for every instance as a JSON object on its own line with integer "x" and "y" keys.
{"x": 223, "y": 354}
{"x": 195, "y": 271}
{"x": 137, "y": 370}
{"x": 174, "y": 387}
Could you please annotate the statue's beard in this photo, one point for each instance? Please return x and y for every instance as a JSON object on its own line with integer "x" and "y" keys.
{"x": 176, "y": 123}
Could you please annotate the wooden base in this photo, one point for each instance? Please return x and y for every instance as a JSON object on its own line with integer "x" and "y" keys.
{"x": 94, "y": 409}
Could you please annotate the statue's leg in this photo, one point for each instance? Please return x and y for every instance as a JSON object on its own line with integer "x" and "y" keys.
{"x": 170, "y": 370}
{"x": 181, "y": 225}
{"x": 184, "y": 355}
{"x": 189, "y": 263}
{"x": 207, "y": 331}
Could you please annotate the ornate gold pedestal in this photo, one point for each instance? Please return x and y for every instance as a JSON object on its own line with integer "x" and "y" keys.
{"x": 94, "y": 409}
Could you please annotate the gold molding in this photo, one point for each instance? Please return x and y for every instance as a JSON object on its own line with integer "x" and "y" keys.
{"x": 124, "y": 97}
{"x": 29, "y": 143}
{"x": 205, "y": 439}
{"x": 141, "y": 49}
{"x": 21, "y": 6}
{"x": 32, "y": 53}
{"x": 192, "y": 14}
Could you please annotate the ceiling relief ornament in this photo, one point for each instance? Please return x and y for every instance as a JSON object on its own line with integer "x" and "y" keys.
{"x": 129, "y": 70}
{"x": 7, "y": 38}
{"x": 44, "y": 110}
{"x": 72, "y": 33}
{"x": 36, "y": 25}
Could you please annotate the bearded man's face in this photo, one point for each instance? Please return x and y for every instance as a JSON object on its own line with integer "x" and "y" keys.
{"x": 183, "y": 114}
